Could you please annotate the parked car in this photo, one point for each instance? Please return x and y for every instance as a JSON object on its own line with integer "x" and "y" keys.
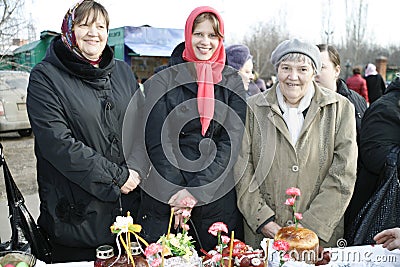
{"x": 13, "y": 113}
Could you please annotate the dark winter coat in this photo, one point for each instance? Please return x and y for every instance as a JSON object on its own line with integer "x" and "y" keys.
{"x": 376, "y": 87}
{"x": 76, "y": 112}
{"x": 181, "y": 157}
{"x": 357, "y": 100}
{"x": 380, "y": 132}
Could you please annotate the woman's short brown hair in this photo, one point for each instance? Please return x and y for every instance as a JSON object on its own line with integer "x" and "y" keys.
{"x": 87, "y": 7}
{"x": 212, "y": 18}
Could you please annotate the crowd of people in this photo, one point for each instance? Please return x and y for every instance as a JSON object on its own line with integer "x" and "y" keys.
{"x": 208, "y": 131}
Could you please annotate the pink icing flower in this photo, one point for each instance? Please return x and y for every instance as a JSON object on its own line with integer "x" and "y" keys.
{"x": 217, "y": 227}
{"x": 293, "y": 191}
{"x": 217, "y": 257}
{"x": 225, "y": 239}
{"x": 298, "y": 215}
{"x": 152, "y": 249}
{"x": 185, "y": 227}
{"x": 188, "y": 202}
{"x": 290, "y": 201}
{"x": 281, "y": 245}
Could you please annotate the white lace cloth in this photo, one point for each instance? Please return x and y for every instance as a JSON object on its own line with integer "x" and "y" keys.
{"x": 358, "y": 256}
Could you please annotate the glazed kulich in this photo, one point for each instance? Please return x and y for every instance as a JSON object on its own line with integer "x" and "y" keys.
{"x": 303, "y": 242}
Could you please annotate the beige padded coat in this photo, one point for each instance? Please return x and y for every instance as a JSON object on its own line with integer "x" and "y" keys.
{"x": 322, "y": 164}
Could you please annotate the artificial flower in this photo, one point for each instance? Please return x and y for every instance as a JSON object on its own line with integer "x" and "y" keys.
{"x": 225, "y": 239}
{"x": 298, "y": 215}
{"x": 290, "y": 201}
{"x": 293, "y": 191}
{"x": 216, "y": 258}
{"x": 152, "y": 249}
{"x": 156, "y": 262}
{"x": 282, "y": 247}
{"x": 186, "y": 213}
{"x": 218, "y": 227}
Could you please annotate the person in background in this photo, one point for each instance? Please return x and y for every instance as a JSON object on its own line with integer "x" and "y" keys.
{"x": 328, "y": 77}
{"x": 389, "y": 238}
{"x": 357, "y": 83}
{"x": 238, "y": 57}
{"x": 298, "y": 134}
{"x": 379, "y": 135}
{"x": 259, "y": 82}
{"x": 269, "y": 83}
{"x": 77, "y": 97}
{"x": 196, "y": 112}
{"x": 375, "y": 83}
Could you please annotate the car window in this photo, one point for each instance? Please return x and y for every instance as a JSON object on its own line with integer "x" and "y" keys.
{"x": 13, "y": 81}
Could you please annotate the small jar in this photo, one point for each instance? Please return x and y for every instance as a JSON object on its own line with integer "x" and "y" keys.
{"x": 103, "y": 255}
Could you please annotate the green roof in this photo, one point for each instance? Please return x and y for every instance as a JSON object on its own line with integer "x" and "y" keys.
{"x": 27, "y": 47}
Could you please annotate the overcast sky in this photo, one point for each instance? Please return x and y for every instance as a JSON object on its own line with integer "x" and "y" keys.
{"x": 303, "y": 18}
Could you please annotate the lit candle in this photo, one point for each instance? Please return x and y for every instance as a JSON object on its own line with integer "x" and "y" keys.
{"x": 170, "y": 222}
{"x": 231, "y": 249}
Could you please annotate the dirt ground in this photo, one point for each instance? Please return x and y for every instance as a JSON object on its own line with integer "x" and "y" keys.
{"x": 21, "y": 161}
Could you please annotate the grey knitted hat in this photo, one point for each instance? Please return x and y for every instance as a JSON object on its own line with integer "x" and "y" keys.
{"x": 237, "y": 55}
{"x": 297, "y": 46}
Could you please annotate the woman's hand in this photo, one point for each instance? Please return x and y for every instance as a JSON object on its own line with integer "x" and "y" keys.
{"x": 389, "y": 238}
{"x": 270, "y": 229}
{"x": 132, "y": 182}
{"x": 180, "y": 201}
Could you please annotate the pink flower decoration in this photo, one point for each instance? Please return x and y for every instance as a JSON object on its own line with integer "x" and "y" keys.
{"x": 185, "y": 227}
{"x": 188, "y": 202}
{"x": 225, "y": 239}
{"x": 217, "y": 257}
{"x": 298, "y": 215}
{"x": 281, "y": 245}
{"x": 217, "y": 227}
{"x": 290, "y": 201}
{"x": 186, "y": 213}
{"x": 152, "y": 249}
{"x": 156, "y": 262}
{"x": 293, "y": 191}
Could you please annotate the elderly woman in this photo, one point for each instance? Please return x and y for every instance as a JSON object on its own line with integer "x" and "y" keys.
{"x": 297, "y": 135}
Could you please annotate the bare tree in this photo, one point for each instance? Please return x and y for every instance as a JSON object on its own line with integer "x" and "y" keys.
{"x": 327, "y": 18}
{"x": 264, "y": 38}
{"x": 356, "y": 24}
{"x": 12, "y": 20}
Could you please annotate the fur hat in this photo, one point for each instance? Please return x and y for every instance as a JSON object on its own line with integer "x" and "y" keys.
{"x": 297, "y": 46}
{"x": 237, "y": 55}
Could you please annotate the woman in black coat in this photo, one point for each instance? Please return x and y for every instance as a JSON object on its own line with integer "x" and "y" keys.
{"x": 380, "y": 132}
{"x": 194, "y": 126}
{"x": 77, "y": 97}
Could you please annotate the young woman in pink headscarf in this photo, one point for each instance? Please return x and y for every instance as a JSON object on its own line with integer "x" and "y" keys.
{"x": 194, "y": 126}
